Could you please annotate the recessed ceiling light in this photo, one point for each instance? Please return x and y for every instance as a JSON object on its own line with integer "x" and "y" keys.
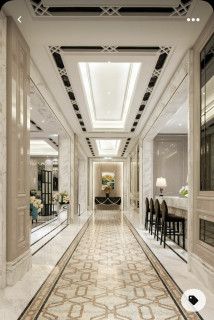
{"x": 198, "y": 19}
{"x": 193, "y": 19}
{"x": 188, "y": 19}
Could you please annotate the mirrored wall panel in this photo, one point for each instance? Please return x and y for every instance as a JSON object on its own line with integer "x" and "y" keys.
{"x": 207, "y": 117}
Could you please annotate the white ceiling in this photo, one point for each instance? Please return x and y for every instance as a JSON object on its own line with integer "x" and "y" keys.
{"x": 109, "y": 88}
{"x": 108, "y": 147}
{"x": 41, "y": 148}
{"x": 42, "y": 32}
{"x": 105, "y": 79}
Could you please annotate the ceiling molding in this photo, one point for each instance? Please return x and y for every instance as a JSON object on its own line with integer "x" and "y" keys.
{"x": 57, "y": 51}
{"x": 116, "y": 9}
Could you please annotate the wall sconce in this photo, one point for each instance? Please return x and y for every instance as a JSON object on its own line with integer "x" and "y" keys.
{"x": 161, "y": 183}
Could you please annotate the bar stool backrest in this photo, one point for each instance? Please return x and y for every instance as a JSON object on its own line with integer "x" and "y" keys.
{"x": 151, "y": 205}
{"x": 147, "y": 204}
{"x": 164, "y": 210}
{"x": 157, "y": 208}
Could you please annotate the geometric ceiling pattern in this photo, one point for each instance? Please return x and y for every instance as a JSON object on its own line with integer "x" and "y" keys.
{"x": 57, "y": 52}
{"x": 116, "y": 8}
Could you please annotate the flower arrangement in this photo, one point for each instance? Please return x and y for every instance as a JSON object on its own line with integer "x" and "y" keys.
{"x": 36, "y": 203}
{"x": 184, "y": 191}
{"x": 106, "y": 188}
{"x": 61, "y": 197}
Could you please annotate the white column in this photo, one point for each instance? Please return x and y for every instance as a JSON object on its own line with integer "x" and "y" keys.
{"x": 147, "y": 172}
{"x": 141, "y": 199}
{"x": 18, "y": 159}
{"x": 3, "y": 29}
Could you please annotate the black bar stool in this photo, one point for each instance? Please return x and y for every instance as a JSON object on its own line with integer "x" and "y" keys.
{"x": 170, "y": 225}
{"x": 152, "y": 215}
{"x": 158, "y": 217}
{"x": 147, "y": 218}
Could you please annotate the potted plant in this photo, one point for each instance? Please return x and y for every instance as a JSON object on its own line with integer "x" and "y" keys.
{"x": 61, "y": 198}
{"x": 35, "y": 207}
{"x": 184, "y": 191}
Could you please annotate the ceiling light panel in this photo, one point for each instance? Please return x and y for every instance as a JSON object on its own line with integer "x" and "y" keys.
{"x": 109, "y": 89}
{"x": 108, "y": 147}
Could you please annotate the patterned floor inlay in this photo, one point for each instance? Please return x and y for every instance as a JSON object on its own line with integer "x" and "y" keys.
{"x": 109, "y": 275}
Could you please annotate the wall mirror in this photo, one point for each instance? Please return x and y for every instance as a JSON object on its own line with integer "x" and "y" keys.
{"x": 207, "y": 116}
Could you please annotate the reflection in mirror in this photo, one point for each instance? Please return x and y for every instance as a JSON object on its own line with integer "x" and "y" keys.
{"x": 207, "y": 117}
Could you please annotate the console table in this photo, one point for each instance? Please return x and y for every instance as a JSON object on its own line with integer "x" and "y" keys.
{"x": 107, "y": 200}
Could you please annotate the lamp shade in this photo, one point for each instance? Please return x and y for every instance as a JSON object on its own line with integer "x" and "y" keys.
{"x": 161, "y": 182}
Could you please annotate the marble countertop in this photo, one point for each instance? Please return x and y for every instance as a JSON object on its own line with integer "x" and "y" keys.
{"x": 175, "y": 202}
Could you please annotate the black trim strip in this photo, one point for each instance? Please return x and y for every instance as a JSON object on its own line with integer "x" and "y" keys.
{"x": 48, "y": 233}
{"x": 43, "y": 225}
{"x": 48, "y": 241}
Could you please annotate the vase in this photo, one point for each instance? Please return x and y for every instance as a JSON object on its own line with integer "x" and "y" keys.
{"x": 34, "y": 213}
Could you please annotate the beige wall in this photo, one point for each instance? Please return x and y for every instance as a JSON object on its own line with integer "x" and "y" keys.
{"x": 117, "y": 168}
{"x": 170, "y": 161}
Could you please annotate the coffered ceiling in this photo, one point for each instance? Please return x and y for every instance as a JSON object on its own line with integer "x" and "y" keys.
{"x": 106, "y": 65}
{"x": 109, "y": 89}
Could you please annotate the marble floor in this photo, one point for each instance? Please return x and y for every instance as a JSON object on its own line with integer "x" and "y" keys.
{"x": 109, "y": 273}
{"x": 13, "y": 300}
{"x": 173, "y": 259}
{"x": 47, "y": 231}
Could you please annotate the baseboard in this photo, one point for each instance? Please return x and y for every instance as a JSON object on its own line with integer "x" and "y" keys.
{"x": 201, "y": 270}
{"x": 17, "y": 268}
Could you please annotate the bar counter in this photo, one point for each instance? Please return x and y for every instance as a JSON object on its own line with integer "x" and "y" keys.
{"x": 176, "y": 205}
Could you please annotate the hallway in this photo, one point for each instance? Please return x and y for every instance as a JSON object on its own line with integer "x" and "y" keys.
{"x": 107, "y": 149}
{"x": 108, "y": 276}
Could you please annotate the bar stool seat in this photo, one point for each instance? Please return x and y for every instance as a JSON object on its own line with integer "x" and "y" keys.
{"x": 147, "y": 218}
{"x": 158, "y": 219}
{"x": 152, "y": 216}
{"x": 171, "y": 226}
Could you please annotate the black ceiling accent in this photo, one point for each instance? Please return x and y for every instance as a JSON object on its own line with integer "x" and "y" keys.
{"x": 110, "y": 11}
{"x": 126, "y": 146}
{"x": 34, "y": 123}
{"x": 90, "y": 146}
{"x": 56, "y": 54}
{"x": 211, "y": 2}
{"x": 2, "y": 2}
{"x": 163, "y": 54}
{"x": 121, "y": 49}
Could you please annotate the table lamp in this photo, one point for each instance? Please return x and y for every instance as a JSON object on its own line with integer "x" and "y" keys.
{"x": 161, "y": 183}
